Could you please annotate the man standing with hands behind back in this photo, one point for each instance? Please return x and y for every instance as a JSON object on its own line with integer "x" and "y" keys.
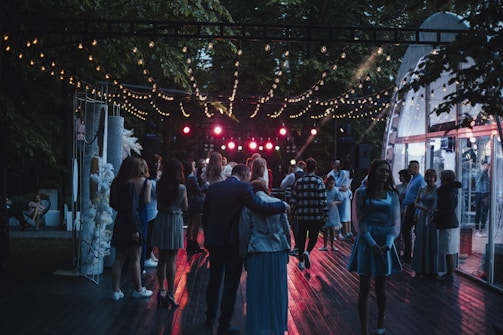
{"x": 408, "y": 208}
{"x": 221, "y": 213}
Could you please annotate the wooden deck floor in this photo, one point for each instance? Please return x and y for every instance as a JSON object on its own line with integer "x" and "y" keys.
{"x": 322, "y": 300}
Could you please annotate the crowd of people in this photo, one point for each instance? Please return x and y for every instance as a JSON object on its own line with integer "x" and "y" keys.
{"x": 246, "y": 227}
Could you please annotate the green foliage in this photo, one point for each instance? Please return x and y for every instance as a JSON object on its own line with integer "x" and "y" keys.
{"x": 475, "y": 60}
{"x": 36, "y": 115}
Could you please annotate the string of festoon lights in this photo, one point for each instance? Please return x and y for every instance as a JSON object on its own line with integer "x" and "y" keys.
{"x": 270, "y": 94}
{"x": 360, "y": 104}
{"x": 434, "y": 93}
{"x": 129, "y": 107}
{"x": 193, "y": 81}
{"x": 50, "y": 66}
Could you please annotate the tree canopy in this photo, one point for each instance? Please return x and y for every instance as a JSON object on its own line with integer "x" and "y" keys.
{"x": 201, "y": 74}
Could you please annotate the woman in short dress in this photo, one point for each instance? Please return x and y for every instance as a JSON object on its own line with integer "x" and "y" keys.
{"x": 167, "y": 234}
{"x": 127, "y": 235}
{"x": 377, "y": 221}
{"x": 333, "y": 224}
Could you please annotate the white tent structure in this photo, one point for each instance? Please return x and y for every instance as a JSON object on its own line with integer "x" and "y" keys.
{"x": 415, "y": 133}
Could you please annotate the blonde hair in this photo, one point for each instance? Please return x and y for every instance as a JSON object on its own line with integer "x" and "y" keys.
{"x": 258, "y": 168}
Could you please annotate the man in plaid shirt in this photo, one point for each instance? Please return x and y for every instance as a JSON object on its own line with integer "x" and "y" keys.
{"x": 309, "y": 202}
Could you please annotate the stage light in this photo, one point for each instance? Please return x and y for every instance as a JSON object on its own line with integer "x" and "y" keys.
{"x": 277, "y": 148}
{"x": 282, "y": 131}
{"x": 186, "y": 130}
{"x": 314, "y": 131}
{"x": 269, "y": 145}
{"x": 217, "y": 130}
{"x": 222, "y": 147}
{"x": 231, "y": 145}
{"x": 252, "y": 145}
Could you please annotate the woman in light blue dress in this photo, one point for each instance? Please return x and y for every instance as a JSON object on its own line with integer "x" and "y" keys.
{"x": 425, "y": 256}
{"x": 376, "y": 216}
{"x": 333, "y": 224}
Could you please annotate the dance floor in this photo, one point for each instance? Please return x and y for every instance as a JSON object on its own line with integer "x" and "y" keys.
{"x": 322, "y": 300}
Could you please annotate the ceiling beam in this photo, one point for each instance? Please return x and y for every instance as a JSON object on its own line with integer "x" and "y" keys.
{"x": 111, "y": 28}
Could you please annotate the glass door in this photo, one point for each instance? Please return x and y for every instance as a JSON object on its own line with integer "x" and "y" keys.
{"x": 495, "y": 251}
{"x": 475, "y": 177}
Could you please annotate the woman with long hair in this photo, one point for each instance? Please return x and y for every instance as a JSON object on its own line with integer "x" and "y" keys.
{"x": 167, "y": 233}
{"x": 195, "y": 196}
{"x": 128, "y": 237}
{"x": 377, "y": 221}
{"x": 213, "y": 171}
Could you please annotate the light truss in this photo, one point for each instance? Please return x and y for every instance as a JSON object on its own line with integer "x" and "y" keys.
{"x": 116, "y": 28}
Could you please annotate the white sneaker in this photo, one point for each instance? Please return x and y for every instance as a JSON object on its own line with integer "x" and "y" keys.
{"x": 150, "y": 263}
{"x": 117, "y": 295}
{"x": 301, "y": 265}
{"x": 307, "y": 259}
{"x": 335, "y": 249}
{"x": 478, "y": 234}
{"x": 143, "y": 293}
{"x": 340, "y": 237}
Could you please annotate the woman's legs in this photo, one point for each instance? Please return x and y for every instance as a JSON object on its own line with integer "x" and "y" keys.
{"x": 161, "y": 270}
{"x": 171, "y": 269}
{"x": 380, "y": 288}
{"x": 192, "y": 232}
{"x": 134, "y": 266}
{"x": 347, "y": 228}
{"x": 166, "y": 271}
{"x": 120, "y": 257}
{"x": 332, "y": 237}
{"x": 36, "y": 217}
{"x": 363, "y": 304}
{"x": 325, "y": 236}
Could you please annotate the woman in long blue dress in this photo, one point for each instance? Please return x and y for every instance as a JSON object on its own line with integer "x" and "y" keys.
{"x": 265, "y": 242}
{"x": 376, "y": 215}
{"x": 425, "y": 256}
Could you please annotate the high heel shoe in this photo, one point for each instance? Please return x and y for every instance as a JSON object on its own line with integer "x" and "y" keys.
{"x": 170, "y": 300}
{"x": 162, "y": 300}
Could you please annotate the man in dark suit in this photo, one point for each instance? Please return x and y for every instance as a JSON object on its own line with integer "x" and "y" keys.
{"x": 222, "y": 208}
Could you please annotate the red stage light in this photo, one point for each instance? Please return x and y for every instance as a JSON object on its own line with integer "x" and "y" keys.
{"x": 231, "y": 145}
{"x": 252, "y": 145}
{"x": 269, "y": 146}
{"x": 282, "y": 131}
{"x": 314, "y": 131}
{"x": 217, "y": 130}
{"x": 186, "y": 130}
